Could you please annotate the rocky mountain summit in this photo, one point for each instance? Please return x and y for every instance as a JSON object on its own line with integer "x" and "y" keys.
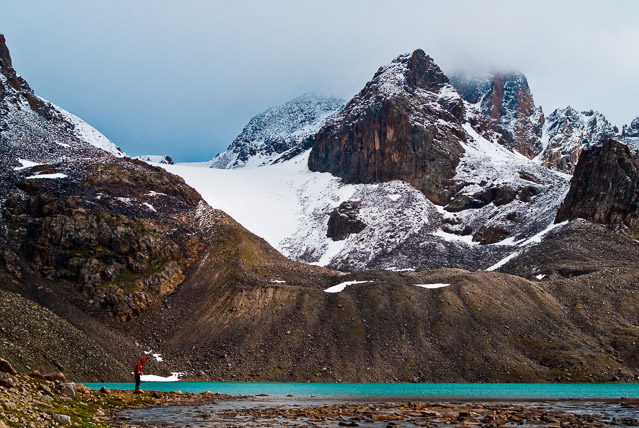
{"x": 630, "y": 134}
{"x": 405, "y": 124}
{"x": 506, "y": 100}
{"x": 567, "y": 133}
{"x": 409, "y": 123}
{"x": 279, "y": 133}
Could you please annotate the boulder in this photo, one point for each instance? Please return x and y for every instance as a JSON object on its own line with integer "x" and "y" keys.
{"x": 6, "y": 367}
{"x": 7, "y": 380}
{"x": 45, "y": 389}
{"x": 36, "y": 374}
{"x": 61, "y": 419}
{"x": 67, "y": 388}
{"x": 56, "y": 377}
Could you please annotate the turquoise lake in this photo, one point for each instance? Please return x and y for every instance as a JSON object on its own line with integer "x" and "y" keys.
{"x": 417, "y": 390}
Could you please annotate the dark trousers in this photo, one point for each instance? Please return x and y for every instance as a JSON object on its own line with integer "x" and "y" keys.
{"x": 137, "y": 381}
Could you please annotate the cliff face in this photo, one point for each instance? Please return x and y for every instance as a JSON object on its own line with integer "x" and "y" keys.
{"x": 506, "y": 99}
{"x": 405, "y": 124}
{"x": 605, "y": 187}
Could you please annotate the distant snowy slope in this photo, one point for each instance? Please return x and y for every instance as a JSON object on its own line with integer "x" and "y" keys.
{"x": 155, "y": 159}
{"x": 290, "y": 207}
{"x": 279, "y": 133}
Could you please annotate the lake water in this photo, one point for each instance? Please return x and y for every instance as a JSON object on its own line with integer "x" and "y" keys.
{"x": 417, "y": 390}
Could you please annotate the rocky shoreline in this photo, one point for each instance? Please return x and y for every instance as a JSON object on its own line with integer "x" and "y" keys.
{"x": 35, "y": 400}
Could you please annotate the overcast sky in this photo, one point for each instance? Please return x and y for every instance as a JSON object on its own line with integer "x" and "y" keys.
{"x": 183, "y": 77}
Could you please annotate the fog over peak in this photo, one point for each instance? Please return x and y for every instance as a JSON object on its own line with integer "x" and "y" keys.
{"x": 182, "y": 79}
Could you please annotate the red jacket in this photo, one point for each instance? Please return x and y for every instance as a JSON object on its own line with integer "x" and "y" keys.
{"x": 138, "y": 368}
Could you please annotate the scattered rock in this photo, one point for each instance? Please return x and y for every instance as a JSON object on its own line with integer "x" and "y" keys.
{"x": 46, "y": 390}
{"x": 7, "y": 380}
{"x": 36, "y": 374}
{"x": 56, "y": 377}
{"x": 68, "y": 388}
{"x": 61, "y": 419}
{"x": 5, "y": 367}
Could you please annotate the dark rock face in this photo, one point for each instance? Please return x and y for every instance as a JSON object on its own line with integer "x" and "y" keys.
{"x": 605, "y": 187}
{"x": 343, "y": 221}
{"x": 389, "y": 130}
{"x": 505, "y": 99}
{"x": 106, "y": 231}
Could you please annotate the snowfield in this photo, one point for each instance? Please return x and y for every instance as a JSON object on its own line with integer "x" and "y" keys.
{"x": 289, "y": 206}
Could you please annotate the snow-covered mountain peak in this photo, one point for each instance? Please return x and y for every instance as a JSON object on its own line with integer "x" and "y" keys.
{"x": 567, "y": 132}
{"x": 32, "y": 128}
{"x": 506, "y": 100}
{"x": 279, "y": 133}
{"x": 630, "y": 134}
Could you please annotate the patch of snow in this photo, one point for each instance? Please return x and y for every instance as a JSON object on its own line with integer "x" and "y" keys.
{"x": 157, "y": 357}
{"x": 89, "y": 134}
{"x": 26, "y": 164}
{"x": 435, "y": 285}
{"x": 52, "y": 176}
{"x": 503, "y": 261}
{"x": 155, "y": 159}
{"x": 451, "y": 237}
{"x": 341, "y": 286}
{"x": 536, "y": 239}
{"x": 540, "y": 276}
{"x": 149, "y": 206}
{"x": 175, "y": 377}
{"x": 394, "y": 197}
{"x": 278, "y": 281}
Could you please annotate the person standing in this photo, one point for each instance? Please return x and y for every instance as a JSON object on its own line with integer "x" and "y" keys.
{"x": 138, "y": 373}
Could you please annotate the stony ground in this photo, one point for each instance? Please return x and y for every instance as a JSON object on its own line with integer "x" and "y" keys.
{"x": 390, "y": 414}
{"x": 29, "y": 401}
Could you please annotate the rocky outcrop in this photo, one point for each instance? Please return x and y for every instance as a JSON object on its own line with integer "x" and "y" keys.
{"x": 605, "y": 187}
{"x": 343, "y": 221}
{"x": 506, "y": 99}
{"x": 392, "y": 130}
{"x": 107, "y": 229}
